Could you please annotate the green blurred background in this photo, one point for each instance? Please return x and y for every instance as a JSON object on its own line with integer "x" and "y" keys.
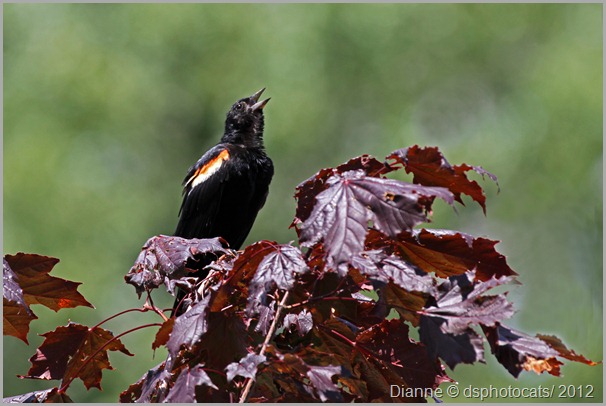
{"x": 106, "y": 107}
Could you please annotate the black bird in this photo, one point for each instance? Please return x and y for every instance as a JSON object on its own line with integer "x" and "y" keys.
{"x": 226, "y": 188}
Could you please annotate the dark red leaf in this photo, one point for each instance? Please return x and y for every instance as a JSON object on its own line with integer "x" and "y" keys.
{"x": 462, "y": 303}
{"x": 517, "y": 351}
{"x": 247, "y": 367}
{"x": 307, "y": 190}
{"x": 265, "y": 317}
{"x": 12, "y": 290}
{"x": 398, "y": 359}
{"x": 240, "y": 272}
{"x": 302, "y": 321}
{"x": 16, "y": 320}
{"x": 277, "y": 268}
{"x": 447, "y": 253}
{"x": 163, "y": 333}
{"x": 65, "y": 354}
{"x": 407, "y": 304}
{"x": 226, "y": 340}
{"x": 184, "y": 390}
{"x": 283, "y": 379}
{"x": 335, "y": 338}
{"x": 430, "y": 168}
{"x": 43, "y": 396}
{"x": 146, "y": 389}
{"x": 189, "y": 327}
{"x": 563, "y": 351}
{"x": 320, "y": 378}
{"x": 164, "y": 258}
{"x": 32, "y": 275}
{"x": 341, "y": 215}
{"x": 465, "y": 347}
{"x": 376, "y": 266}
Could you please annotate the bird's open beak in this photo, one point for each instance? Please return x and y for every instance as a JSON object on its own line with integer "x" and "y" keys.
{"x": 258, "y": 104}
{"x": 255, "y": 97}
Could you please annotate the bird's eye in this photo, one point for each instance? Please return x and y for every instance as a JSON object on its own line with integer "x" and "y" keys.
{"x": 240, "y": 106}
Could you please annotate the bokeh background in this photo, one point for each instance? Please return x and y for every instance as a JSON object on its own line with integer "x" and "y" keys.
{"x": 106, "y": 107}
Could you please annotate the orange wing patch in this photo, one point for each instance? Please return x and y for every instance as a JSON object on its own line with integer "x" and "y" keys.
{"x": 205, "y": 171}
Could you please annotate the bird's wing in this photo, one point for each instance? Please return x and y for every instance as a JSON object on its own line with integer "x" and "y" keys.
{"x": 203, "y": 189}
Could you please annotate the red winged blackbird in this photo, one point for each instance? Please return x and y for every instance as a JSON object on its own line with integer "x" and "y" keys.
{"x": 226, "y": 188}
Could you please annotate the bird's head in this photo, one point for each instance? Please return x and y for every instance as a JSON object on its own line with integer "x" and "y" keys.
{"x": 244, "y": 122}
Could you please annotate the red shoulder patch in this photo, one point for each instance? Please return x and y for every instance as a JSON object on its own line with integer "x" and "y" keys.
{"x": 206, "y": 170}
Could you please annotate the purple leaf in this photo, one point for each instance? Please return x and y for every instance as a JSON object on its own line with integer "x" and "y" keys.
{"x": 184, "y": 389}
{"x": 163, "y": 258}
{"x": 247, "y": 367}
{"x": 278, "y": 268}
{"x": 466, "y": 347}
{"x": 303, "y": 321}
{"x": 189, "y": 327}
{"x": 342, "y": 212}
{"x": 518, "y": 351}
{"x": 320, "y": 378}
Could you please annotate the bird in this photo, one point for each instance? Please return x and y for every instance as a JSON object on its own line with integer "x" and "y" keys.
{"x": 227, "y": 187}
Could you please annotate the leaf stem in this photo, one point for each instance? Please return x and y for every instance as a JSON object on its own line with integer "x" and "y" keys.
{"x": 138, "y": 309}
{"x": 268, "y": 338}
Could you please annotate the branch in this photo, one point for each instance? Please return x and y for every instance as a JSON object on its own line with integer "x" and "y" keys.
{"x": 268, "y": 337}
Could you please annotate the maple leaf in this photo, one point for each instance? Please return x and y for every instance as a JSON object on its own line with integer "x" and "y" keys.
{"x": 445, "y": 252}
{"x": 518, "y": 351}
{"x": 16, "y": 313}
{"x": 240, "y": 272}
{"x": 563, "y": 351}
{"x": 277, "y": 268}
{"x": 461, "y": 303}
{"x": 43, "y": 396}
{"x": 265, "y": 317}
{"x": 146, "y": 389}
{"x": 283, "y": 379}
{"x": 308, "y": 189}
{"x": 189, "y": 327}
{"x": 16, "y": 320}
{"x": 300, "y": 377}
{"x": 377, "y": 266}
{"x": 12, "y": 291}
{"x": 246, "y": 367}
{"x": 164, "y": 258}
{"x": 302, "y": 321}
{"x": 395, "y": 359}
{"x": 26, "y": 281}
{"x": 430, "y": 168}
{"x": 342, "y": 212}
{"x": 320, "y": 378}
{"x": 467, "y": 346}
{"x": 163, "y": 333}
{"x": 408, "y": 304}
{"x": 32, "y": 275}
{"x": 65, "y": 354}
{"x": 183, "y": 390}
{"x": 226, "y": 340}
{"x": 331, "y": 335}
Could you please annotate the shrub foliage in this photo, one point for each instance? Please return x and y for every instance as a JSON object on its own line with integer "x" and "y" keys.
{"x": 325, "y": 319}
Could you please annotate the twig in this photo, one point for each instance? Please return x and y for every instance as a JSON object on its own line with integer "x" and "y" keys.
{"x": 149, "y": 304}
{"x": 138, "y": 309}
{"x": 321, "y": 298}
{"x": 268, "y": 338}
